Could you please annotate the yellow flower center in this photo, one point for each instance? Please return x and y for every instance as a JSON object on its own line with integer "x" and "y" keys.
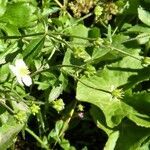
{"x": 23, "y": 71}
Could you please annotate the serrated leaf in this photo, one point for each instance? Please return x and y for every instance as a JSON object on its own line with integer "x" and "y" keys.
{"x": 132, "y": 137}
{"x": 139, "y": 101}
{"x": 19, "y": 14}
{"x": 139, "y": 29}
{"x": 140, "y": 113}
{"x": 115, "y": 76}
{"x": 140, "y": 119}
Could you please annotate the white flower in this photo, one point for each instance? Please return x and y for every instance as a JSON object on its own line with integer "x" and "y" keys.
{"x": 20, "y": 70}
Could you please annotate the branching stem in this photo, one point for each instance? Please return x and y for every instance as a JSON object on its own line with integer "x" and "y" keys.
{"x": 37, "y": 138}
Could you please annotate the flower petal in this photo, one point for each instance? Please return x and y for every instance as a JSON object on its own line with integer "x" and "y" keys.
{"x": 13, "y": 69}
{"x": 27, "y": 80}
{"x": 20, "y": 63}
{"x": 19, "y": 79}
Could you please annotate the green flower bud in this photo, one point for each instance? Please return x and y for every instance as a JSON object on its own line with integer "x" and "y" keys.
{"x": 80, "y": 107}
{"x": 90, "y": 70}
{"x": 21, "y": 117}
{"x": 58, "y": 105}
{"x": 146, "y": 61}
{"x": 98, "y": 42}
{"x": 98, "y": 11}
{"x": 34, "y": 109}
{"x": 117, "y": 93}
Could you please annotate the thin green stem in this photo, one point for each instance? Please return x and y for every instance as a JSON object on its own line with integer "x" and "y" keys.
{"x": 79, "y": 20}
{"x": 136, "y": 38}
{"x": 66, "y": 122}
{"x": 61, "y": 40}
{"x": 21, "y": 36}
{"x": 95, "y": 88}
{"x": 58, "y": 3}
{"x": 56, "y": 67}
{"x": 7, "y": 108}
{"x": 37, "y": 138}
{"x": 103, "y": 24}
{"x": 115, "y": 31}
{"x": 65, "y": 3}
{"x": 74, "y": 36}
{"x": 80, "y": 67}
{"x": 84, "y": 17}
{"x": 123, "y": 52}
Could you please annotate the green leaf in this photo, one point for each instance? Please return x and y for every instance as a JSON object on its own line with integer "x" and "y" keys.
{"x": 9, "y": 29}
{"x": 115, "y": 75}
{"x": 19, "y": 14}
{"x": 144, "y": 16}
{"x": 139, "y": 101}
{"x": 139, "y": 29}
{"x": 69, "y": 59}
{"x": 42, "y": 85}
{"x": 55, "y": 92}
{"x": 111, "y": 143}
{"x": 8, "y": 132}
{"x": 94, "y": 32}
{"x": 81, "y": 31}
{"x": 98, "y": 54}
{"x": 3, "y": 5}
{"x": 56, "y": 131}
{"x": 139, "y": 119}
{"x": 66, "y": 145}
{"x": 4, "y": 72}
{"x": 12, "y": 48}
{"x": 99, "y": 119}
{"x": 132, "y": 137}
{"x": 132, "y": 7}
{"x": 33, "y": 49}
{"x": 104, "y": 53}
{"x": 140, "y": 112}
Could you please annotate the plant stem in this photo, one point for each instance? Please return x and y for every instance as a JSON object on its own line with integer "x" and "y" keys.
{"x": 136, "y": 38}
{"x": 67, "y": 120}
{"x": 7, "y": 108}
{"x": 37, "y": 138}
{"x": 74, "y": 36}
{"x": 56, "y": 67}
{"x": 21, "y": 36}
{"x": 95, "y": 88}
{"x": 58, "y": 3}
{"x": 123, "y": 52}
{"x": 82, "y": 18}
{"x": 39, "y": 71}
{"x": 61, "y": 40}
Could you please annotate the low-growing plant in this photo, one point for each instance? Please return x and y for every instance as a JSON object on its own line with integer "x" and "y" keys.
{"x": 75, "y": 74}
